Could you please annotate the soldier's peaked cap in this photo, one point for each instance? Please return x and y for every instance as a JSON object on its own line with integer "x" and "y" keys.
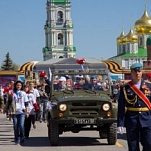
{"x": 136, "y": 66}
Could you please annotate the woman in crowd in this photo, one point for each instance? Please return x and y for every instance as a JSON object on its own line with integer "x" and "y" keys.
{"x": 20, "y": 110}
{"x": 37, "y": 97}
{"x": 32, "y": 108}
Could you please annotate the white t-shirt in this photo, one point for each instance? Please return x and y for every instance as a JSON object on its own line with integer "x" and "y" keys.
{"x": 35, "y": 93}
{"x": 32, "y": 101}
{"x": 19, "y": 99}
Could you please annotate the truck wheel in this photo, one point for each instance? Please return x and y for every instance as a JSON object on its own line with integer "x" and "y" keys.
{"x": 112, "y": 134}
{"x": 54, "y": 134}
{"x": 48, "y": 131}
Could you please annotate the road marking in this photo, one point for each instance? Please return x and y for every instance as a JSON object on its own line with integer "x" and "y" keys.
{"x": 119, "y": 144}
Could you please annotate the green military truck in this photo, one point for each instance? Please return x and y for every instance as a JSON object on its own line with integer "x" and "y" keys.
{"x": 85, "y": 108}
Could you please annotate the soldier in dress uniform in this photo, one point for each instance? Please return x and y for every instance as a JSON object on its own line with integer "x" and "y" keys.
{"x": 134, "y": 110}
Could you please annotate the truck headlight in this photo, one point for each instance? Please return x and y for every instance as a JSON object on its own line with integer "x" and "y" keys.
{"x": 106, "y": 107}
{"x": 62, "y": 107}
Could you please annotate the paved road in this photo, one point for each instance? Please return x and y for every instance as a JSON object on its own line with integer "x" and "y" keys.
{"x": 38, "y": 141}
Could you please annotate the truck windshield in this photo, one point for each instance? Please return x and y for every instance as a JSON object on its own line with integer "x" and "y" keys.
{"x": 81, "y": 82}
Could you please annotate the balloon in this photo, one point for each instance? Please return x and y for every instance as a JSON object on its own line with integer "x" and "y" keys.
{"x": 42, "y": 74}
{"x": 6, "y": 89}
{"x": 148, "y": 75}
{"x": 81, "y": 61}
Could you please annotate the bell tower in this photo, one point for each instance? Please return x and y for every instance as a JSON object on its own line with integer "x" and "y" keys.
{"x": 58, "y": 30}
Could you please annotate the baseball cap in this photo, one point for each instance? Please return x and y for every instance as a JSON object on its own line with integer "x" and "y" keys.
{"x": 62, "y": 79}
{"x": 93, "y": 77}
{"x": 78, "y": 77}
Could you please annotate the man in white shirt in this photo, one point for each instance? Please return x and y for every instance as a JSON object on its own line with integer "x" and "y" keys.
{"x": 37, "y": 98}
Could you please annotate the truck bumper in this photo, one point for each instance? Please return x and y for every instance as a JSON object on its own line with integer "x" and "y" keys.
{"x": 85, "y": 121}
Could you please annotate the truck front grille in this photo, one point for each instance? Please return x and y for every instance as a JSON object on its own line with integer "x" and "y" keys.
{"x": 84, "y": 112}
{"x": 84, "y": 104}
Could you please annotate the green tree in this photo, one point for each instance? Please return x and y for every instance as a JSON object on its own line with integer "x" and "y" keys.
{"x": 7, "y": 63}
{"x": 15, "y": 67}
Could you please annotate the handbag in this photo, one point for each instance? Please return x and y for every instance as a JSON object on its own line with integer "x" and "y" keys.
{"x": 36, "y": 107}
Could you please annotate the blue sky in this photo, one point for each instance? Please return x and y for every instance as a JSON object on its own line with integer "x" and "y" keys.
{"x": 97, "y": 24}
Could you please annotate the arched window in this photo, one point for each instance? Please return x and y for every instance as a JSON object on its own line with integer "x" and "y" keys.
{"x": 133, "y": 51}
{"x": 128, "y": 48}
{"x": 60, "y": 17}
{"x": 124, "y": 49}
{"x": 60, "y": 39}
{"x": 120, "y": 49}
{"x": 141, "y": 41}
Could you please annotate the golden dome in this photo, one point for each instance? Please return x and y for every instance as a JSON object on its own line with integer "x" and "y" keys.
{"x": 143, "y": 25}
{"x": 131, "y": 37}
{"x": 121, "y": 39}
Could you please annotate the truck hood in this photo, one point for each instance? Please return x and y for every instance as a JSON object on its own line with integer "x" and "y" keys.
{"x": 81, "y": 95}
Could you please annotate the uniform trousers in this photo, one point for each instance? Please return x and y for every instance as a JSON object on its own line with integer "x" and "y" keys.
{"x": 139, "y": 134}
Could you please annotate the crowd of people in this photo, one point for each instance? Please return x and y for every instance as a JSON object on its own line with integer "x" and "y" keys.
{"x": 25, "y": 103}
{"x": 80, "y": 82}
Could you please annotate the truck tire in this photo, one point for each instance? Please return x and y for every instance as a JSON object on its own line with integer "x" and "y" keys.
{"x": 54, "y": 133}
{"x": 112, "y": 134}
{"x": 48, "y": 131}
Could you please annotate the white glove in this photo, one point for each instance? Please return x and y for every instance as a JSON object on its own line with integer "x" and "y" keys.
{"x": 120, "y": 130}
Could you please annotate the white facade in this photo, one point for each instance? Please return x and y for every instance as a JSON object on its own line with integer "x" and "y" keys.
{"x": 131, "y": 51}
{"x": 132, "y": 47}
{"x": 127, "y": 62}
{"x": 127, "y": 48}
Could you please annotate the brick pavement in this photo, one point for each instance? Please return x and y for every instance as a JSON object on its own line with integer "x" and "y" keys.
{"x": 38, "y": 137}
{"x": 6, "y": 131}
